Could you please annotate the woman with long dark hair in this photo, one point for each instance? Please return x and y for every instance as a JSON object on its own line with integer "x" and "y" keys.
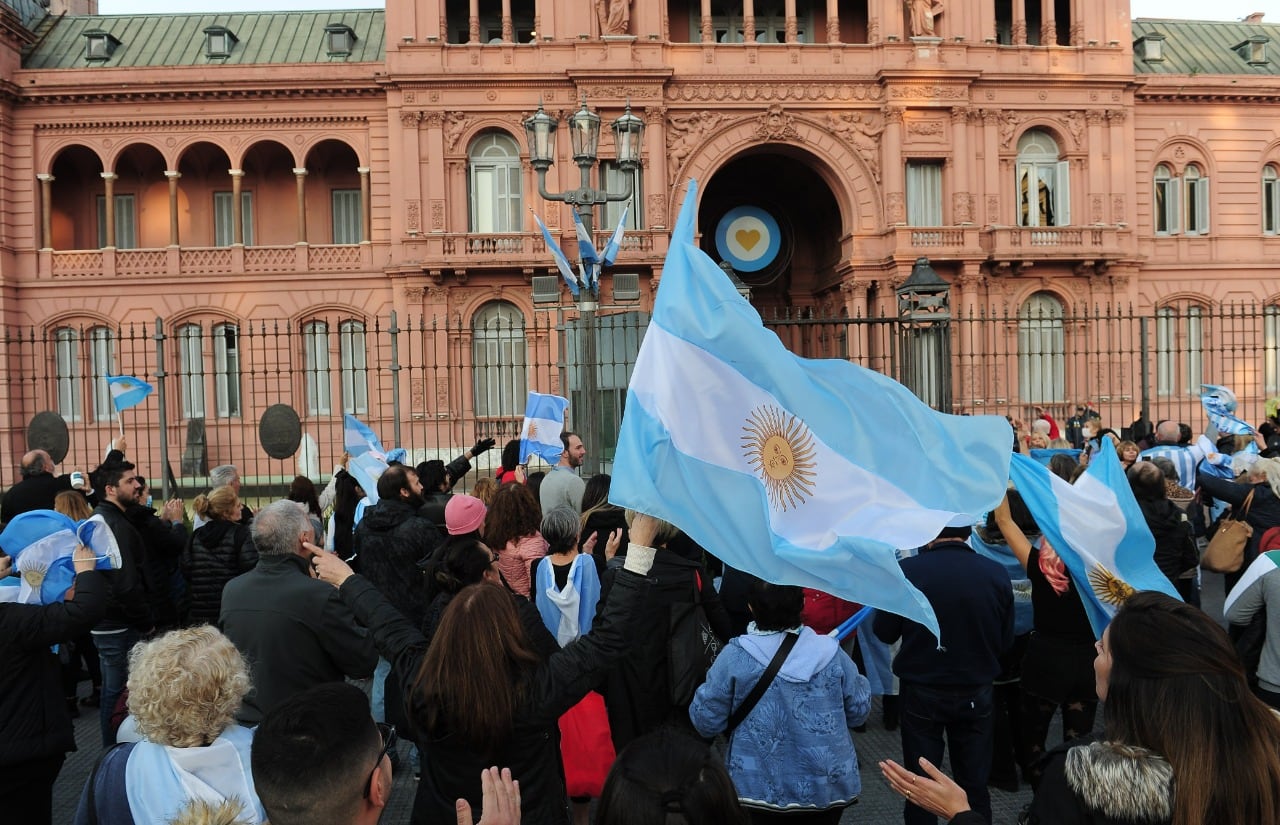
{"x": 479, "y": 695}
{"x": 342, "y": 524}
{"x": 1178, "y": 716}
{"x": 600, "y": 518}
{"x": 511, "y": 529}
{"x": 303, "y": 491}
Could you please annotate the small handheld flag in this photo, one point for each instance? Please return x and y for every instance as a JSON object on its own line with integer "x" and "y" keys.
{"x": 127, "y": 391}
{"x": 1220, "y": 405}
{"x": 588, "y": 258}
{"x": 359, "y": 438}
{"x": 543, "y": 423}
{"x": 557, "y": 254}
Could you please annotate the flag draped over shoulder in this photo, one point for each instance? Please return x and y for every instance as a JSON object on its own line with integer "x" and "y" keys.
{"x": 127, "y": 391}
{"x": 806, "y": 472}
{"x": 543, "y": 423}
{"x": 367, "y": 459}
{"x": 1265, "y": 563}
{"x": 1098, "y": 530}
{"x": 42, "y": 542}
{"x": 1220, "y": 405}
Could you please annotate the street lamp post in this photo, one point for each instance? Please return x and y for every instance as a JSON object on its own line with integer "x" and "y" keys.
{"x": 584, "y": 134}
{"x": 924, "y": 315}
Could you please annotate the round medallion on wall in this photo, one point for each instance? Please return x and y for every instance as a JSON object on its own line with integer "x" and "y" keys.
{"x": 48, "y": 431}
{"x": 280, "y": 431}
{"x": 748, "y": 237}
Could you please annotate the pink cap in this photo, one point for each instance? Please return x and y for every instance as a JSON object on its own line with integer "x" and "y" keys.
{"x": 464, "y": 514}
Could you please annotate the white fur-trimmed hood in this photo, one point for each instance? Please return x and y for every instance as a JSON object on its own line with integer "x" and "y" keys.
{"x": 1121, "y": 782}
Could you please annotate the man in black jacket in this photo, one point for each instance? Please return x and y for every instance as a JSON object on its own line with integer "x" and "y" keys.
{"x": 294, "y": 631}
{"x": 37, "y": 489}
{"x": 946, "y": 684}
{"x": 128, "y": 617}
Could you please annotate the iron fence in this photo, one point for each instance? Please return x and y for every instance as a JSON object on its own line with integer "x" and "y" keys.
{"x": 434, "y": 385}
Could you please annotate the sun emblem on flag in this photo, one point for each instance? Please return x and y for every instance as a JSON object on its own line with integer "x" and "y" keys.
{"x": 1108, "y": 587}
{"x": 34, "y": 576}
{"x": 533, "y": 431}
{"x": 779, "y": 447}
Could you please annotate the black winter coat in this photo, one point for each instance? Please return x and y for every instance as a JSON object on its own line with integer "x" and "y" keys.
{"x": 164, "y": 542}
{"x": 35, "y": 492}
{"x": 215, "y": 554}
{"x": 637, "y": 691}
{"x": 33, "y": 717}
{"x": 390, "y": 541}
{"x": 451, "y": 770}
{"x": 127, "y": 604}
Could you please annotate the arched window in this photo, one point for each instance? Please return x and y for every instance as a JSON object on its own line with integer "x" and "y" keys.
{"x": 1044, "y": 196}
{"x": 1179, "y": 349}
{"x": 355, "y": 385}
{"x": 66, "y": 372}
{"x": 315, "y": 351}
{"x": 1166, "y": 201}
{"x": 500, "y": 365}
{"x": 1270, "y": 200}
{"x": 1196, "y": 197}
{"x": 496, "y": 184}
{"x": 1041, "y": 350}
{"x": 1271, "y": 349}
{"x": 102, "y": 350}
{"x": 190, "y": 340}
{"x": 226, "y": 370}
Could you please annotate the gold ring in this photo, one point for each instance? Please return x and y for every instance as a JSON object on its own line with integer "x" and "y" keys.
{"x": 908, "y": 794}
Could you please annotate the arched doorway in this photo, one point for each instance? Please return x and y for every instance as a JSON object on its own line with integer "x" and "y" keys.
{"x": 768, "y": 190}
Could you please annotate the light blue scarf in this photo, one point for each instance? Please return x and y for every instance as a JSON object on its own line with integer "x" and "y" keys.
{"x": 160, "y": 780}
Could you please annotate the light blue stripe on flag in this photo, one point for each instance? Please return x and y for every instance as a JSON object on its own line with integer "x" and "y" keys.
{"x": 615, "y": 240}
{"x": 798, "y": 471}
{"x": 358, "y": 438}
{"x": 1098, "y": 530}
{"x": 557, "y": 255}
{"x": 127, "y": 391}
{"x": 543, "y": 423}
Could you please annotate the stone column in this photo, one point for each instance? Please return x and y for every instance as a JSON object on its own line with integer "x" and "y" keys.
{"x": 237, "y": 213}
{"x": 789, "y": 20}
{"x": 1048, "y": 26}
{"x": 892, "y": 19}
{"x": 708, "y": 35}
{"x": 961, "y": 184}
{"x": 46, "y": 210}
{"x": 1019, "y": 23}
{"x": 1098, "y": 162}
{"x": 989, "y": 210}
{"x": 508, "y": 29}
{"x": 748, "y": 21}
{"x": 895, "y": 212}
{"x": 173, "y": 206}
{"x": 655, "y": 134}
{"x": 1117, "y": 145}
{"x": 300, "y": 175}
{"x": 473, "y": 21}
{"x": 833, "y": 22}
{"x": 366, "y": 214}
{"x": 109, "y": 190}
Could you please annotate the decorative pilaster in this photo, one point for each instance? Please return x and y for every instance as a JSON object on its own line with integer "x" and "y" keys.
{"x": 46, "y": 210}
{"x": 109, "y": 193}
{"x": 300, "y": 176}
{"x": 173, "y": 206}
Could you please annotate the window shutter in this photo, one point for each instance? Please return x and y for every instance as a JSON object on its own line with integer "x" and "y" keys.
{"x": 1062, "y": 195}
{"x": 1175, "y": 206}
{"x": 1202, "y": 205}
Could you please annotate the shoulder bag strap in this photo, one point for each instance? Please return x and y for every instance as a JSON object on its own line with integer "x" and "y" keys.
{"x": 1244, "y": 511}
{"x": 766, "y": 679}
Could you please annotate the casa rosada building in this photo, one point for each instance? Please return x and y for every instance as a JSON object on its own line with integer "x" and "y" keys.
{"x": 307, "y": 174}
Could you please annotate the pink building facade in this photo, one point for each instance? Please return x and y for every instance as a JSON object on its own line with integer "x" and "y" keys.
{"x": 261, "y": 192}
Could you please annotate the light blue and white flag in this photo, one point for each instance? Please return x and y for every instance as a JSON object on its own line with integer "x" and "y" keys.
{"x": 805, "y": 472}
{"x": 1220, "y": 405}
{"x": 127, "y": 391}
{"x": 42, "y": 542}
{"x": 366, "y": 469}
{"x": 615, "y": 240}
{"x": 557, "y": 254}
{"x": 586, "y": 249}
{"x": 543, "y": 423}
{"x": 1097, "y": 529}
{"x": 359, "y": 438}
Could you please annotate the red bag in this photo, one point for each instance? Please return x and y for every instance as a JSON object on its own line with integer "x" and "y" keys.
{"x": 586, "y": 746}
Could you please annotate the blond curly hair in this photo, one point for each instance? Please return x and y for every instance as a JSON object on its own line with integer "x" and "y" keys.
{"x": 186, "y": 686}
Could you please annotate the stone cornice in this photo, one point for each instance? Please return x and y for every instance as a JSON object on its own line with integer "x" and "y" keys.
{"x": 210, "y": 124}
{"x": 89, "y": 93}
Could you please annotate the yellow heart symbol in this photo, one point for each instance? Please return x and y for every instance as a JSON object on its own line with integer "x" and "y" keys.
{"x": 748, "y": 238}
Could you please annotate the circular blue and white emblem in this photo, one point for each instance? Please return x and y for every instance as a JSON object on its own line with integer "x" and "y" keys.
{"x": 748, "y": 237}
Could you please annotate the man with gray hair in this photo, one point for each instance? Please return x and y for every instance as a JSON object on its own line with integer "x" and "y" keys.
{"x": 1185, "y": 457}
{"x": 224, "y": 475}
{"x": 294, "y": 630}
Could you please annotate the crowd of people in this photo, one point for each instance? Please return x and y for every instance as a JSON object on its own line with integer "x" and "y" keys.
{"x": 550, "y": 657}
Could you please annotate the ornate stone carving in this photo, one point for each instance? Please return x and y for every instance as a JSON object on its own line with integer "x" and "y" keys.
{"x": 437, "y": 215}
{"x": 961, "y": 114}
{"x": 768, "y": 91}
{"x": 410, "y": 119}
{"x": 776, "y": 124}
{"x": 653, "y": 115}
{"x": 1117, "y": 209}
{"x": 433, "y": 120}
{"x": 1117, "y": 115}
{"x": 993, "y": 209}
{"x": 455, "y": 124}
{"x": 413, "y": 215}
{"x": 962, "y": 207}
{"x": 1095, "y": 209}
{"x": 894, "y": 206}
{"x": 833, "y": 29}
{"x": 684, "y": 133}
{"x": 928, "y": 92}
{"x": 623, "y": 92}
{"x": 873, "y": 30}
{"x": 1075, "y": 127}
{"x": 1095, "y": 117}
{"x": 893, "y": 114}
{"x": 926, "y": 128}
{"x": 1019, "y": 33}
{"x": 655, "y": 214}
{"x": 1008, "y": 127}
{"x": 862, "y": 131}
{"x": 614, "y": 16}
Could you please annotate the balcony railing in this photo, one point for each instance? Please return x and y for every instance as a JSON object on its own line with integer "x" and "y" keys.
{"x": 197, "y": 261}
{"x": 1053, "y": 241}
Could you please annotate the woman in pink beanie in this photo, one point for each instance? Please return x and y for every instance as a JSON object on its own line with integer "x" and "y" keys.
{"x": 464, "y": 515}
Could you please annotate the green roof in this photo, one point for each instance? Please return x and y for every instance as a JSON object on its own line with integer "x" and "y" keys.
{"x": 30, "y": 12}
{"x": 179, "y": 39}
{"x": 1199, "y": 47}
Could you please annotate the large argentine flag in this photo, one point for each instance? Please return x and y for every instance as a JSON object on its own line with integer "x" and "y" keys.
{"x": 543, "y": 423}
{"x": 1097, "y": 529}
{"x": 359, "y": 438}
{"x": 127, "y": 391}
{"x": 42, "y": 542}
{"x": 799, "y": 471}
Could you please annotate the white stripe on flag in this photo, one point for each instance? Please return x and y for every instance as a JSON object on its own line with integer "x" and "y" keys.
{"x": 1262, "y": 565}
{"x": 878, "y": 509}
